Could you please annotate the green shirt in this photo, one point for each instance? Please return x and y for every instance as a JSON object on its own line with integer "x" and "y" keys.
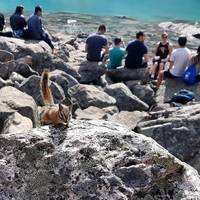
{"x": 116, "y": 55}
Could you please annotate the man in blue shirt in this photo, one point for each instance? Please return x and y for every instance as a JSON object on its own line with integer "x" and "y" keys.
{"x": 97, "y": 45}
{"x": 35, "y": 27}
{"x": 137, "y": 53}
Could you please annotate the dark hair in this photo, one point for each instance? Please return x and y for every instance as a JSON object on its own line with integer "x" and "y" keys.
{"x": 182, "y": 40}
{"x": 139, "y": 34}
{"x": 102, "y": 27}
{"x": 19, "y": 9}
{"x": 38, "y": 8}
{"x": 117, "y": 41}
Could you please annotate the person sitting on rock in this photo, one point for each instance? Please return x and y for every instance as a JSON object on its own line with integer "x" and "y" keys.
{"x": 137, "y": 56}
{"x": 179, "y": 60}
{"x": 97, "y": 45}
{"x": 163, "y": 51}
{"x": 35, "y": 28}
{"x": 116, "y": 54}
{"x": 196, "y": 60}
{"x": 2, "y": 22}
{"x": 18, "y": 22}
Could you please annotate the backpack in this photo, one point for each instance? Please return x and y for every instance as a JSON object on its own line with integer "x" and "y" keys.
{"x": 182, "y": 97}
{"x": 189, "y": 76}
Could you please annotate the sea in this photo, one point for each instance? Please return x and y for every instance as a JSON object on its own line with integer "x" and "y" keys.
{"x": 122, "y": 17}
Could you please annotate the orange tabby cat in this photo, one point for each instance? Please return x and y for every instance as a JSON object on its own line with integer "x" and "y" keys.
{"x": 51, "y": 112}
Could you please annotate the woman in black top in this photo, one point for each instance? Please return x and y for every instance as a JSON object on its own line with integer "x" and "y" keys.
{"x": 163, "y": 51}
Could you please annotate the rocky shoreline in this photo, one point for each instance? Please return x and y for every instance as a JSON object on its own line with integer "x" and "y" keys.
{"x": 96, "y": 158}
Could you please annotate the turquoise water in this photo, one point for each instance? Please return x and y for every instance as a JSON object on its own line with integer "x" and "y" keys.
{"x": 149, "y": 10}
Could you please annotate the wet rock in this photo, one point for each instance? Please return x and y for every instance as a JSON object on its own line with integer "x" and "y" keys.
{"x": 91, "y": 71}
{"x": 4, "y": 83}
{"x": 129, "y": 119}
{"x": 89, "y": 95}
{"x": 16, "y": 123}
{"x": 124, "y": 97}
{"x": 177, "y": 130}
{"x": 91, "y": 160}
{"x": 143, "y": 92}
{"x": 12, "y": 99}
{"x": 31, "y": 86}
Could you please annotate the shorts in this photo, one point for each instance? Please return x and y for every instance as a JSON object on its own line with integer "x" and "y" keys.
{"x": 169, "y": 75}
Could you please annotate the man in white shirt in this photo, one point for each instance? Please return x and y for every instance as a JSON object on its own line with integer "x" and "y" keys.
{"x": 179, "y": 60}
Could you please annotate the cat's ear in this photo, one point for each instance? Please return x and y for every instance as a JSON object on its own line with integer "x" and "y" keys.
{"x": 60, "y": 107}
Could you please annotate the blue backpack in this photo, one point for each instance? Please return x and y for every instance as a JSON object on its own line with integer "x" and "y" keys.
{"x": 182, "y": 97}
{"x": 189, "y": 76}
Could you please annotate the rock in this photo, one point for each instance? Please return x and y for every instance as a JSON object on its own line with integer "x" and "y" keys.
{"x": 143, "y": 92}
{"x": 175, "y": 85}
{"x": 94, "y": 113}
{"x": 4, "y": 83}
{"x": 15, "y": 77}
{"x": 129, "y": 119}
{"x": 16, "y": 123}
{"x": 7, "y": 64}
{"x": 197, "y": 35}
{"x": 177, "y": 130}
{"x": 25, "y": 70}
{"x": 12, "y": 99}
{"x": 21, "y": 48}
{"x": 31, "y": 86}
{"x": 63, "y": 79}
{"x": 89, "y": 95}
{"x": 91, "y": 71}
{"x": 91, "y": 160}
{"x": 125, "y": 99}
{"x": 28, "y": 60}
{"x": 124, "y": 74}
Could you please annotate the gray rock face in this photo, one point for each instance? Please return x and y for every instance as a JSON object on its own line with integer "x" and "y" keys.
{"x": 143, "y": 92}
{"x": 177, "y": 130}
{"x": 124, "y": 74}
{"x": 129, "y": 119}
{"x": 16, "y": 123}
{"x": 31, "y": 86}
{"x": 15, "y": 77}
{"x": 91, "y": 71}
{"x": 89, "y": 95}
{"x": 4, "y": 83}
{"x": 7, "y": 64}
{"x": 94, "y": 113}
{"x": 124, "y": 97}
{"x": 12, "y": 100}
{"x": 91, "y": 160}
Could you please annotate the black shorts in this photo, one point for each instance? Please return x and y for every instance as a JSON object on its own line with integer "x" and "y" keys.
{"x": 169, "y": 75}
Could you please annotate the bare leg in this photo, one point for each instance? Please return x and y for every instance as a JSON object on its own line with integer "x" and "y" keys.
{"x": 153, "y": 70}
{"x": 160, "y": 78}
{"x": 161, "y": 67}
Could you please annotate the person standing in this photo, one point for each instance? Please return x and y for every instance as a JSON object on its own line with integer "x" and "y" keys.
{"x": 35, "y": 28}
{"x": 18, "y": 22}
{"x": 97, "y": 45}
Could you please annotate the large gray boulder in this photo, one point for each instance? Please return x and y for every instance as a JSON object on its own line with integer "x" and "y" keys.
{"x": 16, "y": 123}
{"x": 91, "y": 71}
{"x": 89, "y": 95}
{"x": 143, "y": 92}
{"x": 91, "y": 160}
{"x": 125, "y": 99}
{"x": 31, "y": 86}
{"x": 12, "y": 100}
{"x": 7, "y": 64}
{"x": 129, "y": 119}
{"x": 177, "y": 130}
